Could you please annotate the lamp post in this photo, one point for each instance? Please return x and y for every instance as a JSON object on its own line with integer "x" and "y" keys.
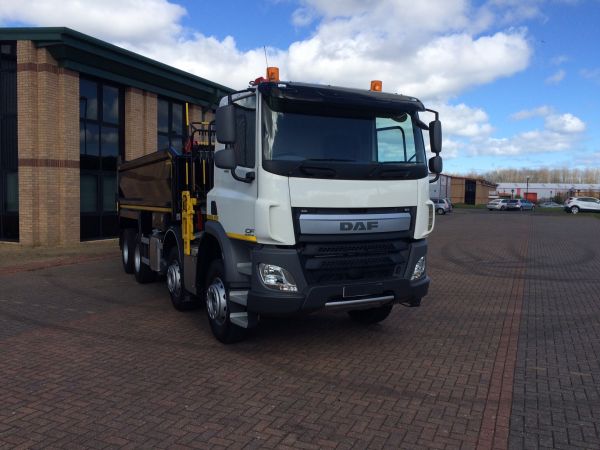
{"x": 527, "y": 190}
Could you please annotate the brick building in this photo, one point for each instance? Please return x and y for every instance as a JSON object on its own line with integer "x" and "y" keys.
{"x": 70, "y": 106}
{"x": 469, "y": 191}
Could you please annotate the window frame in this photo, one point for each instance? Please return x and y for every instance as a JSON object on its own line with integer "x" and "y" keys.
{"x": 100, "y": 172}
{"x": 169, "y": 134}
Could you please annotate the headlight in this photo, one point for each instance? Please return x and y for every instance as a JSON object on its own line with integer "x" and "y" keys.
{"x": 419, "y": 269}
{"x": 275, "y": 277}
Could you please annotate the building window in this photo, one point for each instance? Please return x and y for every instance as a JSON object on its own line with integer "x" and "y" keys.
{"x": 170, "y": 124}
{"x": 100, "y": 146}
{"x": 9, "y": 178}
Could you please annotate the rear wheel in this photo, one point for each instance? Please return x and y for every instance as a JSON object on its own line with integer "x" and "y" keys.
{"x": 440, "y": 211}
{"x": 217, "y": 306}
{"x": 127, "y": 249}
{"x": 181, "y": 300}
{"x": 574, "y": 209}
{"x": 369, "y": 316}
{"x": 143, "y": 273}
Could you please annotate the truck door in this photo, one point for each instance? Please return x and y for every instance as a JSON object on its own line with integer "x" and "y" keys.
{"x": 236, "y": 199}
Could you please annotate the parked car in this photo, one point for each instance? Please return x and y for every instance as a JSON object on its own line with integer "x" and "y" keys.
{"x": 513, "y": 205}
{"x": 576, "y": 204}
{"x": 442, "y": 205}
{"x": 498, "y": 204}
{"x": 551, "y": 205}
{"x": 526, "y": 205}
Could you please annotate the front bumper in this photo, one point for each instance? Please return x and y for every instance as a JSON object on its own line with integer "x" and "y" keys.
{"x": 346, "y": 295}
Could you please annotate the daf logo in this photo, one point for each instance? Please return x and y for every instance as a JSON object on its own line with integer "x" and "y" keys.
{"x": 358, "y": 226}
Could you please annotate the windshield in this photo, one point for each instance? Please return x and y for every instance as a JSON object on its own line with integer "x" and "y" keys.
{"x": 350, "y": 146}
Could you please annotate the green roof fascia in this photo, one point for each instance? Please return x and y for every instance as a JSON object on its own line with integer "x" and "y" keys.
{"x": 91, "y": 56}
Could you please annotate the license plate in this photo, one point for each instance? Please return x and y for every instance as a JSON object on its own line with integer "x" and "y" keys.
{"x": 361, "y": 290}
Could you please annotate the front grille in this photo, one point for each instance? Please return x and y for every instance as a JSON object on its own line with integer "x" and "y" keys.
{"x": 351, "y": 261}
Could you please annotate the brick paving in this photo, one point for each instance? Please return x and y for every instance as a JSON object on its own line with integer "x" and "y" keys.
{"x": 503, "y": 353}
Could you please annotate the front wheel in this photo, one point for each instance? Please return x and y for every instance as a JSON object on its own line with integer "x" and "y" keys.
{"x": 217, "y": 306}
{"x": 574, "y": 209}
{"x": 440, "y": 211}
{"x": 370, "y": 316}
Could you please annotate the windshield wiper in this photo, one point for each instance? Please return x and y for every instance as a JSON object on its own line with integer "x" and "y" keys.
{"x": 315, "y": 170}
{"x": 389, "y": 172}
{"x": 330, "y": 159}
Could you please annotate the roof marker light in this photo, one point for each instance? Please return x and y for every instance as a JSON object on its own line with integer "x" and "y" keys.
{"x": 273, "y": 74}
{"x": 376, "y": 85}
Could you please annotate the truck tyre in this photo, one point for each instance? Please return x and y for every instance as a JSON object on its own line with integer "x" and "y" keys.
{"x": 217, "y": 305}
{"x": 574, "y": 209}
{"x": 127, "y": 249}
{"x": 143, "y": 273}
{"x": 181, "y": 300}
{"x": 369, "y": 316}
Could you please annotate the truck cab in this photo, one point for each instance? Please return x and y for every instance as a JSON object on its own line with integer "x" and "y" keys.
{"x": 319, "y": 201}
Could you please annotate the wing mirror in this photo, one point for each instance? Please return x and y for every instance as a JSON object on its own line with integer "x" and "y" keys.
{"x": 435, "y": 136}
{"x": 435, "y": 142}
{"x": 225, "y": 124}
{"x": 436, "y": 164}
{"x": 225, "y": 159}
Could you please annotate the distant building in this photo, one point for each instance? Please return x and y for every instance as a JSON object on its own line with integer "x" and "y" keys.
{"x": 547, "y": 191}
{"x": 470, "y": 191}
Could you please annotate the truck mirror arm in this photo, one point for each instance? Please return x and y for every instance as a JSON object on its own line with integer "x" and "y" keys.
{"x": 248, "y": 178}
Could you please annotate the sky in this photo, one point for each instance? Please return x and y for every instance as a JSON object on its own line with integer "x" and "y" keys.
{"x": 517, "y": 82}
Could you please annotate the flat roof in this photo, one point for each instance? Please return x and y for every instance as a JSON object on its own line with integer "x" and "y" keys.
{"x": 85, "y": 54}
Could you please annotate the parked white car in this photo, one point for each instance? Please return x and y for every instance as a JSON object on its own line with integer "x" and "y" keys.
{"x": 442, "y": 205}
{"x": 498, "y": 204}
{"x": 576, "y": 204}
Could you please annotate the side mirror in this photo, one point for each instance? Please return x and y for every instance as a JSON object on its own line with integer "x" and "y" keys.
{"x": 435, "y": 136}
{"x": 435, "y": 164}
{"x": 225, "y": 159}
{"x": 225, "y": 124}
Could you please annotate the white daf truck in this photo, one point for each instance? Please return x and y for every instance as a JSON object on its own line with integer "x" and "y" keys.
{"x": 313, "y": 198}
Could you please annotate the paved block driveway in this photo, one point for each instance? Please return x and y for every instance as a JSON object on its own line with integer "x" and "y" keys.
{"x": 503, "y": 353}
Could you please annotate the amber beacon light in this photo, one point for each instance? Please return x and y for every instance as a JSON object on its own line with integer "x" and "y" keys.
{"x": 376, "y": 85}
{"x": 273, "y": 73}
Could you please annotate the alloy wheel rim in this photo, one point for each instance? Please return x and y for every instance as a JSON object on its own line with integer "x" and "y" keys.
{"x": 216, "y": 301}
{"x": 174, "y": 279}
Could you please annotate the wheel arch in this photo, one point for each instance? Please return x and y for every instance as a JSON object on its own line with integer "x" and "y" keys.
{"x": 231, "y": 251}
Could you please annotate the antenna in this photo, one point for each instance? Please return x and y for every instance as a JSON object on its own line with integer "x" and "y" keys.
{"x": 266, "y": 59}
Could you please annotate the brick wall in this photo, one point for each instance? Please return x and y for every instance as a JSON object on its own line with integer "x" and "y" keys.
{"x": 140, "y": 123}
{"x": 48, "y": 133}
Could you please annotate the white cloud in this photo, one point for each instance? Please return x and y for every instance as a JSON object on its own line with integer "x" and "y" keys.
{"x": 462, "y": 120}
{"x": 556, "y": 77}
{"x": 591, "y": 74}
{"x": 565, "y": 123}
{"x": 561, "y": 132}
{"x": 127, "y": 21}
{"x": 540, "y": 111}
{"x": 433, "y": 49}
{"x": 559, "y": 59}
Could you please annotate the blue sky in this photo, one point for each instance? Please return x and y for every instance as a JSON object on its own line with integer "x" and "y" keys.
{"x": 517, "y": 81}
